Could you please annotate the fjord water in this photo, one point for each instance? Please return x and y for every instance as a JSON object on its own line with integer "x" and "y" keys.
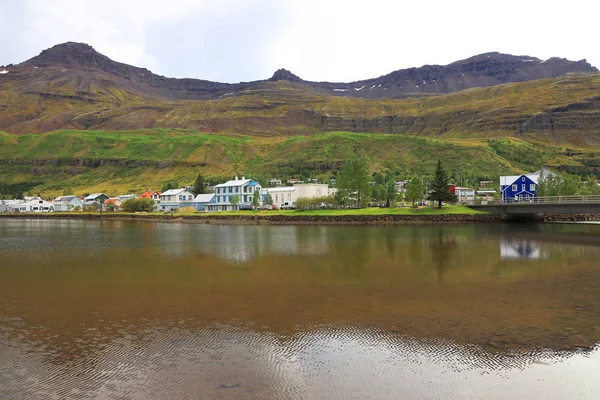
{"x": 134, "y": 310}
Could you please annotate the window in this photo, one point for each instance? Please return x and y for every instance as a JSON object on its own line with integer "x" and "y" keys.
{"x": 523, "y": 179}
{"x": 532, "y": 187}
{"x": 245, "y": 189}
{"x": 523, "y": 187}
{"x": 250, "y": 189}
{"x": 514, "y": 188}
{"x": 236, "y": 189}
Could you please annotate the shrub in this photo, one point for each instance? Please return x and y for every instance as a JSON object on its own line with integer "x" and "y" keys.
{"x": 316, "y": 203}
{"x": 134, "y": 205}
{"x": 187, "y": 210}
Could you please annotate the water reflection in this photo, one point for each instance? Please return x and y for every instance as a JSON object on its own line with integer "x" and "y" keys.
{"x": 140, "y": 310}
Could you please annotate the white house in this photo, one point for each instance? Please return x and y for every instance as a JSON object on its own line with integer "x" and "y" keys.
{"x": 293, "y": 193}
{"x": 174, "y": 198}
{"x": 67, "y": 203}
{"x": 465, "y": 195}
{"x": 10, "y": 205}
{"x": 36, "y": 206}
{"x": 243, "y": 188}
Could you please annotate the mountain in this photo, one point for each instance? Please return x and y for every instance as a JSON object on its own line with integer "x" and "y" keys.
{"x": 73, "y": 118}
{"x": 480, "y": 71}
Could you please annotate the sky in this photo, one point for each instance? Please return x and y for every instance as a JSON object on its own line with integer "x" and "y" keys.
{"x": 318, "y": 40}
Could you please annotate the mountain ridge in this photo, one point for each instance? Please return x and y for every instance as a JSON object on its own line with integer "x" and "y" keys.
{"x": 482, "y": 70}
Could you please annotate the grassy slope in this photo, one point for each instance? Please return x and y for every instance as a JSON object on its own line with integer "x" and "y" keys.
{"x": 282, "y": 108}
{"x": 69, "y": 160}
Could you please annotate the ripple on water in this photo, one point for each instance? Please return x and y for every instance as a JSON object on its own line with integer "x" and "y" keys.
{"x": 185, "y": 360}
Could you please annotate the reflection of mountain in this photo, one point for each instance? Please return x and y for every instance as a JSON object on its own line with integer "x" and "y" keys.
{"x": 515, "y": 248}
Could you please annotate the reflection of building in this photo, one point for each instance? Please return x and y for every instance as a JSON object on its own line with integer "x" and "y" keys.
{"x": 515, "y": 248}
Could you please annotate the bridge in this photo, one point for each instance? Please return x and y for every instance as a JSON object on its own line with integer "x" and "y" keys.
{"x": 541, "y": 205}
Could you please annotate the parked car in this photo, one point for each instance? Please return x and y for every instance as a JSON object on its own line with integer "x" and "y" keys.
{"x": 288, "y": 205}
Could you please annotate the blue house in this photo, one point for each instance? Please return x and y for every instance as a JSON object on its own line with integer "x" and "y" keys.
{"x": 200, "y": 201}
{"x": 521, "y": 187}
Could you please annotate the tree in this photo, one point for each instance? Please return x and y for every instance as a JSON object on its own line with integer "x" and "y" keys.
{"x": 199, "y": 185}
{"x": 255, "y": 199}
{"x": 391, "y": 194}
{"x": 269, "y": 200}
{"x": 440, "y": 190}
{"x": 354, "y": 179}
{"x": 414, "y": 190}
{"x": 235, "y": 200}
{"x": 169, "y": 186}
{"x": 379, "y": 193}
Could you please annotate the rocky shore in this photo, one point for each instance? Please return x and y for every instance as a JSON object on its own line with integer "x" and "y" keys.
{"x": 275, "y": 219}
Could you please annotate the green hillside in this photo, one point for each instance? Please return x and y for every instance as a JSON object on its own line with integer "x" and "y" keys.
{"x": 122, "y": 161}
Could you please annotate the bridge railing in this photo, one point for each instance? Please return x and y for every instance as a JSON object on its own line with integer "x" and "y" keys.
{"x": 591, "y": 199}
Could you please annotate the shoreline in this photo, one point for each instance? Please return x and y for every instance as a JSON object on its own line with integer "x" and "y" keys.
{"x": 279, "y": 219}
{"x": 276, "y": 219}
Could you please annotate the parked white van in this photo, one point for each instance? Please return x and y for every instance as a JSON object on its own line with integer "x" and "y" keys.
{"x": 288, "y": 205}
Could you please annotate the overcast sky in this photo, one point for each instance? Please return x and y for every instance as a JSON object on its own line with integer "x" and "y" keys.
{"x": 332, "y": 40}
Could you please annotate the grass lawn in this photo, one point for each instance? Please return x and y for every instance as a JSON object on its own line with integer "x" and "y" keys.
{"x": 361, "y": 211}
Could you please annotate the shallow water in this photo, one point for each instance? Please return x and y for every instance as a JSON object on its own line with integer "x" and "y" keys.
{"x": 112, "y": 309}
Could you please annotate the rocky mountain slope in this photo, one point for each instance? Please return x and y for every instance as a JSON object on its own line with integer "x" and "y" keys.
{"x": 86, "y": 66}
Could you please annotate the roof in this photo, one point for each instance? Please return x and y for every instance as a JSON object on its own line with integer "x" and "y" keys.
{"x": 90, "y": 202}
{"x": 148, "y": 195}
{"x": 204, "y": 198}
{"x": 281, "y": 189}
{"x": 112, "y": 200}
{"x": 235, "y": 182}
{"x": 509, "y": 180}
{"x": 66, "y": 199}
{"x": 173, "y": 192}
{"x": 94, "y": 195}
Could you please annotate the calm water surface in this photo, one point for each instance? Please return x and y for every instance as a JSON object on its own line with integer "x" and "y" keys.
{"x": 126, "y": 310}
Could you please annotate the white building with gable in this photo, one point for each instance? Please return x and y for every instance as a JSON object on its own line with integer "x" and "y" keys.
{"x": 243, "y": 188}
{"x": 173, "y": 199}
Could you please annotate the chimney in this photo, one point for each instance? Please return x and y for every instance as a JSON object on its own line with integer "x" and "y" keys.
{"x": 236, "y": 178}
{"x": 243, "y": 178}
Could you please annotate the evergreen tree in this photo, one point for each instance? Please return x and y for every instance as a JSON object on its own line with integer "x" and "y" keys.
{"x": 199, "y": 186}
{"x": 440, "y": 190}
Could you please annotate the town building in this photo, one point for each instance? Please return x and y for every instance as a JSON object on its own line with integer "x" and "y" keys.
{"x": 274, "y": 182}
{"x": 92, "y": 205}
{"x": 98, "y": 197}
{"x": 243, "y": 188}
{"x": 36, "y": 206}
{"x": 67, "y": 203}
{"x": 113, "y": 204}
{"x": 464, "y": 194}
{"x": 293, "y": 193}
{"x": 401, "y": 186}
{"x": 174, "y": 199}
{"x": 201, "y": 201}
{"x": 10, "y": 205}
{"x": 521, "y": 187}
{"x": 126, "y": 197}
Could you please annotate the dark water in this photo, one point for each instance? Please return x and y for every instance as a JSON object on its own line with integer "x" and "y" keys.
{"x": 125, "y": 310}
